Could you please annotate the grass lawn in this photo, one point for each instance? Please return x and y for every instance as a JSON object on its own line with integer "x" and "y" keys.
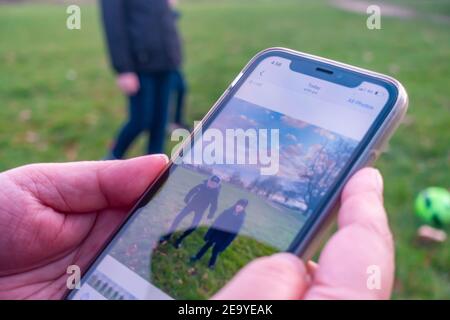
{"x": 265, "y": 231}
{"x": 173, "y": 273}
{"x": 59, "y": 101}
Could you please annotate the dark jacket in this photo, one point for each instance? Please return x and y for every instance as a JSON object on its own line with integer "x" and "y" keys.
{"x": 200, "y": 197}
{"x": 141, "y": 35}
{"x": 225, "y": 229}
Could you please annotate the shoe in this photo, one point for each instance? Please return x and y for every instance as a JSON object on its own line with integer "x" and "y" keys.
{"x": 177, "y": 244}
{"x": 193, "y": 259}
{"x": 164, "y": 239}
{"x": 211, "y": 266}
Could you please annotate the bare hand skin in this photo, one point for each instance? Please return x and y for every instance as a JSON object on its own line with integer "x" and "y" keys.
{"x": 362, "y": 240}
{"x": 128, "y": 83}
{"x": 56, "y": 215}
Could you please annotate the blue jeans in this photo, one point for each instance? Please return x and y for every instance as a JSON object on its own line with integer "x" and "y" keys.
{"x": 179, "y": 89}
{"x": 148, "y": 111}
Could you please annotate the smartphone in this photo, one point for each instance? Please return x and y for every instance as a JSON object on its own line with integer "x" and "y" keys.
{"x": 261, "y": 173}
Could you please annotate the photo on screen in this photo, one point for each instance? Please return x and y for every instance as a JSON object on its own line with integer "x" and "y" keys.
{"x": 208, "y": 221}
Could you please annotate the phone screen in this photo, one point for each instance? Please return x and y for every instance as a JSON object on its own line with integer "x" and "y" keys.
{"x": 245, "y": 187}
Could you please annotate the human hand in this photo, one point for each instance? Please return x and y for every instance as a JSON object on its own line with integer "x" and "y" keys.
{"x": 363, "y": 239}
{"x": 173, "y": 3}
{"x": 128, "y": 82}
{"x": 56, "y": 215}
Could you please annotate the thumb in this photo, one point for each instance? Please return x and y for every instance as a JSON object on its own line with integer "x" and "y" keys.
{"x": 358, "y": 261}
{"x": 91, "y": 185}
{"x": 281, "y": 276}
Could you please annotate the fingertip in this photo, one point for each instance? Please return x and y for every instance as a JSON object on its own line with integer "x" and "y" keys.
{"x": 363, "y": 181}
{"x": 154, "y": 158}
{"x": 148, "y": 167}
{"x": 125, "y": 180}
{"x": 362, "y": 203}
{"x": 160, "y": 157}
{"x": 311, "y": 267}
{"x": 280, "y": 276}
{"x": 289, "y": 260}
{"x": 149, "y": 163}
{"x": 294, "y": 266}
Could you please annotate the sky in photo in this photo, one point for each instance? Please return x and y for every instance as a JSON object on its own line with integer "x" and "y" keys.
{"x": 299, "y": 141}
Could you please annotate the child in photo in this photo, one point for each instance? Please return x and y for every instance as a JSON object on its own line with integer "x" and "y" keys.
{"x": 223, "y": 231}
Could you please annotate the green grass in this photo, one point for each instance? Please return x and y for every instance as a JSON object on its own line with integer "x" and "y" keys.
{"x": 45, "y": 117}
{"x": 265, "y": 229}
{"x": 174, "y": 274}
{"x": 441, "y": 7}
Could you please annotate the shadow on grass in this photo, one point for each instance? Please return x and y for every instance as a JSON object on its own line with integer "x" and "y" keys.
{"x": 173, "y": 273}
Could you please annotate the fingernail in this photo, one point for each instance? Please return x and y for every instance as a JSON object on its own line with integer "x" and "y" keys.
{"x": 293, "y": 259}
{"x": 163, "y": 157}
{"x": 378, "y": 181}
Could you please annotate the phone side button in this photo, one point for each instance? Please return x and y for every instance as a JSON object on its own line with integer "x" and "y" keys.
{"x": 235, "y": 80}
{"x": 372, "y": 157}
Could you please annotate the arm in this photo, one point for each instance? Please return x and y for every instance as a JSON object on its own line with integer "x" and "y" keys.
{"x": 213, "y": 207}
{"x": 191, "y": 193}
{"x": 114, "y": 22}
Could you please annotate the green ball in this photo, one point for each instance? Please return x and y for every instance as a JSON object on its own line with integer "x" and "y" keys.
{"x": 433, "y": 206}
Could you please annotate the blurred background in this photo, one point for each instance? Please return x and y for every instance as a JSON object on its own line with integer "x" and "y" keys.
{"x": 59, "y": 101}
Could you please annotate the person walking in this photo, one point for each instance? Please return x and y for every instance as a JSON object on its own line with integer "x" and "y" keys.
{"x": 223, "y": 231}
{"x": 179, "y": 86}
{"x": 179, "y": 89}
{"x": 145, "y": 49}
{"x": 197, "y": 200}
